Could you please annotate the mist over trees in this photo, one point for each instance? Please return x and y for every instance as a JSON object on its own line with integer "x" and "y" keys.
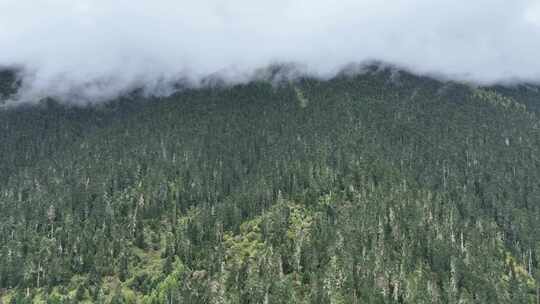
{"x": 99, "y": 49}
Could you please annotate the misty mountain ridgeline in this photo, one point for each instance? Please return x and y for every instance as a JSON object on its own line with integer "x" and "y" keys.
{"x": 382, "y": 187}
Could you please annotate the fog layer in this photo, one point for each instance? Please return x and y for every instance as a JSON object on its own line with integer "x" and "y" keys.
{"x": 86, "y": 50}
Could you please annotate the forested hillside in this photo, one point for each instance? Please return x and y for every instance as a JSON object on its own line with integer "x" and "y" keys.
{"x": 382, "y": 187}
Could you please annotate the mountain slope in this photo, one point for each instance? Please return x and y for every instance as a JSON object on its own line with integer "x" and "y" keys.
{"x": 377, "y": 188}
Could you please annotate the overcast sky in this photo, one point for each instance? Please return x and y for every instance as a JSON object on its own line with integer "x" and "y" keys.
{"x": 98, "y": 48}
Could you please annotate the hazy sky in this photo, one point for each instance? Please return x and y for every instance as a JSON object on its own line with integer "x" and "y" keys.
{"x": 99, "y": 48}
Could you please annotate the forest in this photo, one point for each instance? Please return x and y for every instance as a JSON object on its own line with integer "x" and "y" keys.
{"x": 379, "y": 187}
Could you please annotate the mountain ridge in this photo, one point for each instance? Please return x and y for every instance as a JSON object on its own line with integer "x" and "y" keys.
{"x": 279, "y": 74}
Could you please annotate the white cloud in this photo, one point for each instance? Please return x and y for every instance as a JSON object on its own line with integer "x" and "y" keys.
{"x": 95, "y": 49}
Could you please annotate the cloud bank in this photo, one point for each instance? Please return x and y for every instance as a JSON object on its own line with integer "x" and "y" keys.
{"x": 95, "y": 49}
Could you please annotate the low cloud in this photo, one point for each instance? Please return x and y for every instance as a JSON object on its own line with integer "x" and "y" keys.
{"x": 83, "y": 50}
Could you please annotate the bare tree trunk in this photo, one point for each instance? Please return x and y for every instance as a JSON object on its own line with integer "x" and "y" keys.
{"x": 38, "y": 273}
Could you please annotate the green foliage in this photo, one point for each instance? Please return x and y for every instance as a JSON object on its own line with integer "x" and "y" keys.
{"x": 364, "y": 189}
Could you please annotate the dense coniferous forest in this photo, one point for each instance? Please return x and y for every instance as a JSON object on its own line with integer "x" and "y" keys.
{"x": 383, "y": 187}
